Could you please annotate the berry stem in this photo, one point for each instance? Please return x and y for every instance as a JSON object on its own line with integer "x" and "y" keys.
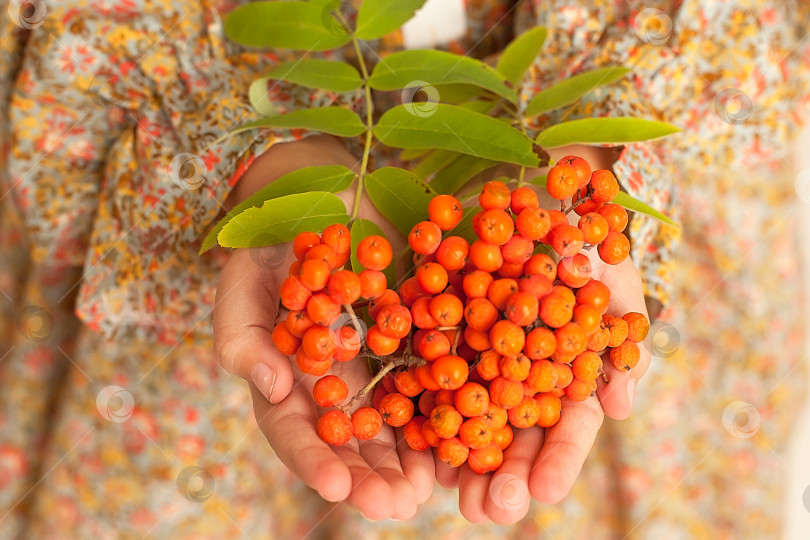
{"x": 575, "y": 204}
{"x": 350, "y": 310}
{"x": 406, "y": 360}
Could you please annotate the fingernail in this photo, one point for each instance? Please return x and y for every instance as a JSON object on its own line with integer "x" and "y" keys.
{"x": 264, "y": 378}
{"x": 631, "y": 390}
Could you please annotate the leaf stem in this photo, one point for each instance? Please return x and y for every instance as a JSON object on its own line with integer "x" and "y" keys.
{"x": 369, "y": 127}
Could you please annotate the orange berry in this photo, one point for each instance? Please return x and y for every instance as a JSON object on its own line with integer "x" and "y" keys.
{"x": 295, "y": 268}
{"x": 615, "y": 215}
{"x": 445, "y": 211}
{"x": 314, "y": 274}
{"x": 583, "y": 170}
{"x": 344, "y": 287}
{"x": 533, "y": 223}
{"x": 603, "y": 186}
{"x": 594, "y": 293}
{"x": 619, "y": 330}
{"x": 587, "y": 366}
{"x": 480, "y": 314}
{"x": 503, "y": 437}
{"x": 432, "y": 277}
{"x": 394, "y": 321}
{"x": 535, "y": 285}
{"x": 495, "y": 415}
{"x": 472, "y": 399}
{"x": 562, "y": 181}
{"x": 488, "y": 366}
{"x": 311, "y": 366}
{"x": 598, "y": 341}
{"x": 329, "y": 391}
{"x": 522, "y": 308}
{"x": 452, "y": 253}
{"x": 318, "y": 344}
{"x": 523, "y": 198}
{"x": 486, "y": 257}
{"x": 500, "y": 290}
{"x": 540, "y": 343}
{"x": 487, "y": 459}
{"x": 322, "y": 252}
{"x": 322, "y": 309}
{"x": 389, "y": 297}
{"x": 541, "y": 264}
{"x": 507, "y": 338}
{"x": 410, "y": 291}
{"x": 565, "y": 292}
{"x": 515, "y": 368}
{"x": 588, "y": 317}
{"x": 374, "y": 252}
{"x": 433, "y": 345}
{"x": 348, "y": 343}
{"x": 496, "y": 227}
{"x": 366, "y": 423}
{"x": 556, "y": 310}
{"x": 413, "y": 434}
{"x": 396, "y": 409}
{"x": 588, "y": 205}
{"x": 420, "y": 313}
{"x": 453, "y": 452}
{"x": 424, "y": 378}
{"x": 638, "y": 326}
{"x": 372, "y": 283}
{"x": 510, "y": 270}
{"x": 550, "y": 407}
{"x": 542, "y": 376}
{"x": 379, "y": 343}
{"x": 476, "y": 284}
{"x": 567, "y": 240}
{"x": 407, "y": 383}
{"x": 477, "y": 340}
{"x": 446, "y": 420}
{"x": 427, "y": 401}
{"x": 475, "y": 433}
{"x": 626, "y": 356}
{"x": 337, "y": 236}
{"x": 447, "y": 309}
{"x": 450, "y": 372}
{"x": 594, "y": 227}
{"x": 525, "y": 414}
{"x": 571, "y": 340}
{"x": 294, "y": 295}
{"x": 495, "y": 195}
{"x": 284, "y": 340}
{"x": 297, "y": 323}
{"x": 425, "y": 237}
{"x": 303, "y": 242}
{"x": 580, "y": 390}
{"x": 445, "y": 397}
{"x": 575, "y": 271}
{"x": 517, "y": 251}
{"x": 505, "y": 393}
{"x": 430, "y": 435}
{"x": 614, "y": 248}
{"x": 335, "y": 427}
{"x": 564, "y": 374}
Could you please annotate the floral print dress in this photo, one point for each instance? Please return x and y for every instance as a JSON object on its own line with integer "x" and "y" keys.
{"x": 115, "y": 420}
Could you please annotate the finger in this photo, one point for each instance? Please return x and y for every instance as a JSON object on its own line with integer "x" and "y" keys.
{"x": 446, "y": 475}
{"x": 244, "y": 317}
{"x": 419, "y": 468}
{"x": 616, "y": 395}
{"x": 566, "y": 446}
{"x": 371, "y": 494}
{"x": 382, "y": 456}
{"x": 472, "y": 494}
{"x": 290, "y": 430}
{"x": 508, "y": 496}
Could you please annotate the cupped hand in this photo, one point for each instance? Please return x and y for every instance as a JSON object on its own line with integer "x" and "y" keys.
{"x": 382, "y": 477}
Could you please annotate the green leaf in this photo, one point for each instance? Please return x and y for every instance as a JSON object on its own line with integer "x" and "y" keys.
{"x": 465, "y": 227}
{"x": 428, "y": 67}
{"x": 299, "y": 26}
{"x": 571, "y": 90}
{"x": 457, "y": 129}
{"x": 280, "y": 220}
{"x": 479, "y": 105}
{"x": 604, "y": 131}
{"x": 641, "y": 207}
{"x": 453, "y": 177}
{"x": 363, "y": 228}
{"x": 258, "y": 98}
{"x": 411, "y": 154}
{"x": 459, "y": 93}
{"x": 331, "y": 178}
{"x": 539, "y": 181}
{"x": 334, "y": 120}
{"x": 379, "y": 17}
{"x": 521, "y": 53}
{"x": 315, "y": 73}
{"x": 436, "y": 160}
{"x": 400, "y": 196}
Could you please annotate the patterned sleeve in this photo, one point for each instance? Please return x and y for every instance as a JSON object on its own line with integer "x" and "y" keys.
{"x": 115, "y": 117}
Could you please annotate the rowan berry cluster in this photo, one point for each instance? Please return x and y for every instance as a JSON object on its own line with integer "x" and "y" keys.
{"x": 484, "y": 337}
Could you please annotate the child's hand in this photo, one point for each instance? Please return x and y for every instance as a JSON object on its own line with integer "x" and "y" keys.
{"x": 379, "y": 477}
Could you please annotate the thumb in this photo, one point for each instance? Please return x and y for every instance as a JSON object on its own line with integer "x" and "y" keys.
{"x": 245, "y": 312}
